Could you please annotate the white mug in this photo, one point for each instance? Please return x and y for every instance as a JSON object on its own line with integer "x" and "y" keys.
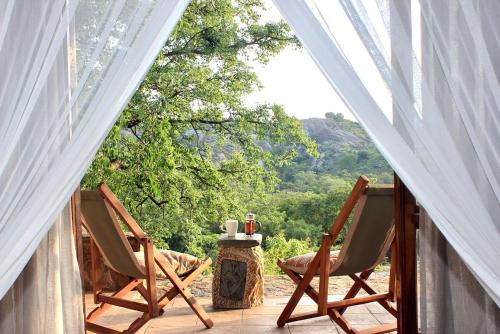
{"x": 230, "y": 227}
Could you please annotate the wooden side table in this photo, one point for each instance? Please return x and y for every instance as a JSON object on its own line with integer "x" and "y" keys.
{"x": 239, "y": 272}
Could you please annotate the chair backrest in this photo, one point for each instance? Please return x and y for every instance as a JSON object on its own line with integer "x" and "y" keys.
{"x": 104, "y": 228}
{"x": 371, "y": 232}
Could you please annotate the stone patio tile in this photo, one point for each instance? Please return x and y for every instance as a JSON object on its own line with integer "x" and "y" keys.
{"x": 226, "y": 318}
{"x": 376, "y": 308}
{"x": 277, "y": 309}
{"x": 177, "y": 311}
{"x": 305, "y": 309}
{"x": 276, "y": 301}
{"x": 217, "y": 330}
{"x": 202, "y": 300}
{"x": 365, "y": 326}
{"x": 210, "y": 309}
{"x": 357, "y": 319}
{"x": 179, "y": 318}
{"x": 264, "y": 330}
{"x": 174, "y": 320}
{"x": 259, "y": 320}
{"x": 117, "y": 316}
{"x": 313, "y": 329}
{"x": 180, "y": 302}
{"x": 359, "y": 309}
{"x": 320, "y": 321}
{"x": 168, "y": 330}
{"x": 120, "y": 326}
{"x": 306, "y": 301}
{"x": 384, "y": 318}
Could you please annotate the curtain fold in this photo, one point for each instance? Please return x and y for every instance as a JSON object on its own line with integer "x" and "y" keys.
{"x": 424, "y": 86}
{"x": 454, "y": 301}
{"x": 47, "y": 295}
{"x": 67, "y": 70}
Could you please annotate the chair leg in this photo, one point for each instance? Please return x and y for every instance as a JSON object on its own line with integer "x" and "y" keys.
{"x": 348, "y": 328}
{"x": 197, "y": 308}
{"x": 334, "y": 313}
{"x": 392, "y": 274}
{"x": 355, "y": 288}
{"x": 324, "y": 273}
{"x": 150, "y": 277}
{"x": 144, "y": 293}
{"x": 296, "y": 278}
{"x": 95, "y": 262}
{"x": 342, "y": 321}
{"x": 173, "y": 292}
{"x": 134, "y": 326}
{"x": 385, "y": 302}
{"x": 119, "y": 294}
{"x": 138, "y": 323}
{"x": 299, "y": 292}
{"x": 182, "y": 289}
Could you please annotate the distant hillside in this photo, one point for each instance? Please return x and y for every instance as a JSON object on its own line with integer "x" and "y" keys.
{"x": 345, "y": 150}
{"x": 337, "y": 129}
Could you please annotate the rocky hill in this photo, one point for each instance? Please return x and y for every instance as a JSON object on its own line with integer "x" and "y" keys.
{"x": 345, "y": 149}
{"x": 334, "y": 128}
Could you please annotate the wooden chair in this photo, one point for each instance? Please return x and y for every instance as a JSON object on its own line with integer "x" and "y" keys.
{"x": 369, "y": 237}
{"x": 99, "y": 216}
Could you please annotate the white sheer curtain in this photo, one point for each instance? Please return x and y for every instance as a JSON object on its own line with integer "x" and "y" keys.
{"x": 46, "y": 297}
{"x": 441, "y": 135}
{"x": 52, "y": 123}
{"x": 452, "y": 301}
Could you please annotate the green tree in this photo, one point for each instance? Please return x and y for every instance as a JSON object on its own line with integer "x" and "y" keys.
{"x": 187, "y": 151}
{"x": 281, "y": 248}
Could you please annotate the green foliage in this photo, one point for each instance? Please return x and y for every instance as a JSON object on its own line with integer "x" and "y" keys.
{"x": 187, "y": 152}
{"x": 281, "y": 248}
{"x": 305, "y": 181}
{"x": 345, "y": 150}
{"x": 303, "y": 215}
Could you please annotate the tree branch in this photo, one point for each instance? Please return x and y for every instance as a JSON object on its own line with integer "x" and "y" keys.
{"x": 235, "y": 46}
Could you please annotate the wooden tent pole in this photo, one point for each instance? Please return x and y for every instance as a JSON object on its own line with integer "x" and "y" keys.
{"x": 77, "y": 234}
{"x": 77, "y": 226}
{"x": 406, "y": 245}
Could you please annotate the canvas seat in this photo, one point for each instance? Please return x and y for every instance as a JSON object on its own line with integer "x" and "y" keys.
{"x": 300, "y": 263}
{"x": 183, "y": 264}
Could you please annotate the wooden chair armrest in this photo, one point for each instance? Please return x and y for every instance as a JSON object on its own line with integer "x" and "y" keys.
{"x": 148, "y": 248}
{"x": 350, "y": 203}
{"x": 118, "y": 207}
{"x": 327, "y": 240}
{"x": 144, "y": 241}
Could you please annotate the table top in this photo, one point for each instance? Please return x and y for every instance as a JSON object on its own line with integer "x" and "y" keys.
{"x": 240, "y": 240}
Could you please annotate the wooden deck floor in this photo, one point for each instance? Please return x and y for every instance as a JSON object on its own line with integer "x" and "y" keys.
{"x": 179, "y": 319}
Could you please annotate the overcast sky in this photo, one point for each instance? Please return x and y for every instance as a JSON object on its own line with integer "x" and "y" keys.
{"x": 293, "y": 80}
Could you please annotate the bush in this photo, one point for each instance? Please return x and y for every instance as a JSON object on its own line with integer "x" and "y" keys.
{"x": 280, "y": 248}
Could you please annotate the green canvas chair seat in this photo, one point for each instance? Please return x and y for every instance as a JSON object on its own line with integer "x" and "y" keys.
{"x": 104, "y": 228}
{"x": 367, "y": 240}
{"x": 369, "y": 237}
{"x": 103, "y": 215}
{"x": 183, "y": 264}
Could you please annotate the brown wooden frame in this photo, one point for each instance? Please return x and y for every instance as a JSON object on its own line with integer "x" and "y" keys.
{"x": 77, "y": 234}
{"x": 406, "y": 221}
{"x": 321, "y": 261}
{"x": 154, "y": 305}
